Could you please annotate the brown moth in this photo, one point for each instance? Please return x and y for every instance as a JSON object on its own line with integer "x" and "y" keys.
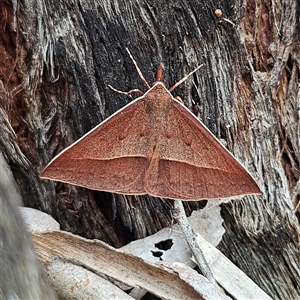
{"x": 156, "y": 146}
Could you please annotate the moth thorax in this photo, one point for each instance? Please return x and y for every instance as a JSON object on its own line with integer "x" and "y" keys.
{"x": 158, "y": 100}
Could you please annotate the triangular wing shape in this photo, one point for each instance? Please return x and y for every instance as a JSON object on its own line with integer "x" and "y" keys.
{"x": 111, "y": 157}
{"x": 192, "y": 164}
{"x": 153, "y": 145}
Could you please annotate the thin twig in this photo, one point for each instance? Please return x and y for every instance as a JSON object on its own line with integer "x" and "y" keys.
{"x": 180, "y": 216}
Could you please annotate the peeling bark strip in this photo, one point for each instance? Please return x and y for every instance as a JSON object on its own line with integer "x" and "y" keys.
{"x": 99, "y": 257}
{"x": 154, "y": 146}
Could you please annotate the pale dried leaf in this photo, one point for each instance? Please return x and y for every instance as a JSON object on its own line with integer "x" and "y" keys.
{"x": 207, "y": 221}
{"x": 229, "y": 276}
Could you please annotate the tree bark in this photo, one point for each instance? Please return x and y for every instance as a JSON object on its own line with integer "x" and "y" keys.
{"x": 57, "y": 60}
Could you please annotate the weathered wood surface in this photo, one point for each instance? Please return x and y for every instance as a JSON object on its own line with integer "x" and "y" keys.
{"x": 128, "y": 269}
{"x": 57, "y": 59}
{"x": 21, "y": 275}
{"x": 73, "y": 265}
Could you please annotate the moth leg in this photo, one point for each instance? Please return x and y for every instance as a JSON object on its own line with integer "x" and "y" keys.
{"x": 127, "y": 93}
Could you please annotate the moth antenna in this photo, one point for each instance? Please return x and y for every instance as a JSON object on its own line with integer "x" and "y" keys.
{"x": 138, "y": 69}
{"x": 184, "y": 79}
